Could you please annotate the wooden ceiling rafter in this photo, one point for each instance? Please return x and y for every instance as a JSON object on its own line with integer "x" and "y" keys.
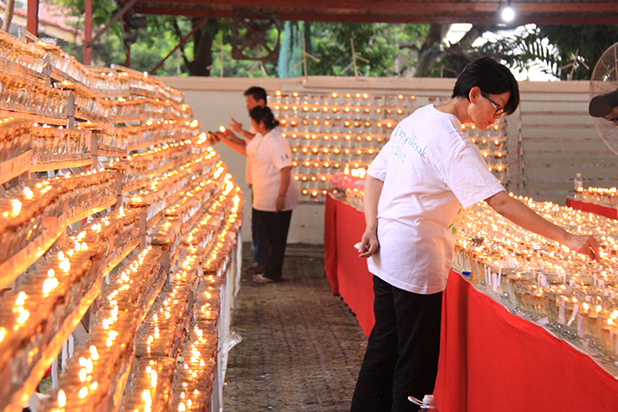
{"x": 396, "y": 11}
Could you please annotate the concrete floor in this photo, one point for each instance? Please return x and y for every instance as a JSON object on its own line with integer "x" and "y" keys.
{"x": 301, "y": 347}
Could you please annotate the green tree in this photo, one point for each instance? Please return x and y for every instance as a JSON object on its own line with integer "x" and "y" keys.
{"x": 566, "y": 52}
{"x": 587, "y": 42}
{"x": 387, "y": 49}
{"x": 149, "y": 45}
{"x": 382, "y": 49}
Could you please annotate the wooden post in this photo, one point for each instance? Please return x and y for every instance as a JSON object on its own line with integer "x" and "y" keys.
{"x": 8, "y": 15}
{"x": 88, "y": 33}
{"x": 33, "y": 17}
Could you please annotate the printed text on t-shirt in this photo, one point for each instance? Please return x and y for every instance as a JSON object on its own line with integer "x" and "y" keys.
{"x": 404, "y": 142}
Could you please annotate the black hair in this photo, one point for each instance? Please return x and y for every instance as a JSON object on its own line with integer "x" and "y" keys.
{"x": 264, "y": 114}
{"x": 491, "y": 77}
{"x": 257, "y": 93}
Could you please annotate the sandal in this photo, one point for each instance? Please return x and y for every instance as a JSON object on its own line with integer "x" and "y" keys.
{"x": 254, "y": 270}
{"x": 262, "y": 279}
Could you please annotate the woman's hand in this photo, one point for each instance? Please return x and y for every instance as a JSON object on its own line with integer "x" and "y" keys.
{"x": 584, "y": 244}
{"x": 369, "y": 243}
{"x": 213, "y": 138}
{"x": 237, "y": 127}
{"x": 280, "y": 203}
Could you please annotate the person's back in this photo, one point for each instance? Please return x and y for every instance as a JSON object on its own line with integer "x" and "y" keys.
{"x": 413, "y": 192}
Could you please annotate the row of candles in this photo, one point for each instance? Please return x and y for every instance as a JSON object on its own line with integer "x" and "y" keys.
{"x": 32, "y": 95}
{"x": 539, "y": 278}
{"x": 141, "y": 168}
{"x": 543, "y": 279}
{"x": 599, "y": 195}
{"x": 331, "y": 131}
{"x": 23, "y": 210}
{"x": 90, "y": 377}
{"x": 187, "y": 209}
{"x": 121, "y": 110}
{"x": 29, "y": 210}
{"x": 143, "y": 135}
{"x": 165, "y": 333}
{"x": 228, "y": 199}
{"x": 23, "y": 54}
{"x": 35, "y": 56}
{"x": 172, "y": 175}
{"x": 157, "y": 193}
{"x": 53, "y": 143}
{"x": 54, "y": 288}
{"x": 312, "y": 102}
{"x": 78, "y": 264}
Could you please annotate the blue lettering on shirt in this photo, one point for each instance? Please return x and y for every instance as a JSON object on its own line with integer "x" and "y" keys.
{"x": 404, "y": 142}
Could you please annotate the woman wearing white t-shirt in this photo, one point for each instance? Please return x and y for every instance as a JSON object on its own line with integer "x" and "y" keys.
{"x": 414, "y": 190}
{"x": 275, "y": 192}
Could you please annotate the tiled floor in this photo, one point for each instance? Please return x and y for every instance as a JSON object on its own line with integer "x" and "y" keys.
{"x": 301, "y": 348}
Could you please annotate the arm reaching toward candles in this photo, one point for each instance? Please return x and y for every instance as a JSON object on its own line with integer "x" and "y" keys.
{"x": 369, "y": 243}
{"x": 520, "y": 214}
{"x": 237, "y": 127}
{"x": 233, "y": 142}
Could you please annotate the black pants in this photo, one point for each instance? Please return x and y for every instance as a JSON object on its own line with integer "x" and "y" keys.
{"x": 402, "y": 352}
{"x": 275, "y": 227}
{"x": 259, "y": 241}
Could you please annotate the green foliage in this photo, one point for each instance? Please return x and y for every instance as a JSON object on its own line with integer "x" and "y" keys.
{"x": 389, "y": 48}
{"x": 562, "y": 51}
{"x": 153, "y": 43}
{"x": 587, "y": 42}
{"x": 519, "y": 51}
{"x": 223, "y": 64}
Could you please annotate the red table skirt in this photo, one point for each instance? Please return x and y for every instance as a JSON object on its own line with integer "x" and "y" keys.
{"x": 345, "y": 271}
{"x": 606, "y": 211}
{"x": 490, "y": 360}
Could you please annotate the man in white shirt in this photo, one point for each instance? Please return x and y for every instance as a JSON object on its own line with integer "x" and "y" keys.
{"x": 254, "y": 97}
{"x": 414, "y": 191}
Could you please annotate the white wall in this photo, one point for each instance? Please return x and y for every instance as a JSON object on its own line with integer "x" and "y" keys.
{"x": 551, "y": 138}
{"x": 214, "y": 102}
{"x": 559, "y": 139}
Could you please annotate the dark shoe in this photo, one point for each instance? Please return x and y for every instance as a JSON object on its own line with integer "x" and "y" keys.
{"x": 254, "y": 269}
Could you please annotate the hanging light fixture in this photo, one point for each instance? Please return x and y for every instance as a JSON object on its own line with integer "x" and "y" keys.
{"x": 508, "y": 13}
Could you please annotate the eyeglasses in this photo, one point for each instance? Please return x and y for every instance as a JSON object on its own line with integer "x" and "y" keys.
{"x": 499, "y": 109}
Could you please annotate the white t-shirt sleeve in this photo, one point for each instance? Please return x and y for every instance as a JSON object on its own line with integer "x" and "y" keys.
{"x": 378, "y": 167}
{"x": 468, "y": 177}
{"x": 280, "y": 153}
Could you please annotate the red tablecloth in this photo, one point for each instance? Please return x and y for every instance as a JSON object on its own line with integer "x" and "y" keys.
{"x": 345, "y": 271}
{"x": 490, "y": 360}
{"x": 606, "y": 211}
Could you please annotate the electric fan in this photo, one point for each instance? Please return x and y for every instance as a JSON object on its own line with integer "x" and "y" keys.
{"x": 604, "y": 97}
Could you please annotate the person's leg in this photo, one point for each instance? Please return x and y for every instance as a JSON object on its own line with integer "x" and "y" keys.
{"x": 258, "y": 240}
{"x": 373, "y": 392}
{"x": 277, "y": 226}
{"x": 418, "y": 325}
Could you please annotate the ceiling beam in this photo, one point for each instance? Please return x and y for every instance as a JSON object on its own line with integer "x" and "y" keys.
{"x": 409, "y": 16}
{"x": 394, "y": 11}
{"x": 326, "y": 6}
{"x": 435, "y": 6}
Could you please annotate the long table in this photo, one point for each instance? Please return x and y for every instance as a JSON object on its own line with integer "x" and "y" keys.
{"x": 606, "y": 211}
{"x": 490, "y": 360}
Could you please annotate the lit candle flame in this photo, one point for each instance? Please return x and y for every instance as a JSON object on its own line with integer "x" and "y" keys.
{"x": 62, "y": 398}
